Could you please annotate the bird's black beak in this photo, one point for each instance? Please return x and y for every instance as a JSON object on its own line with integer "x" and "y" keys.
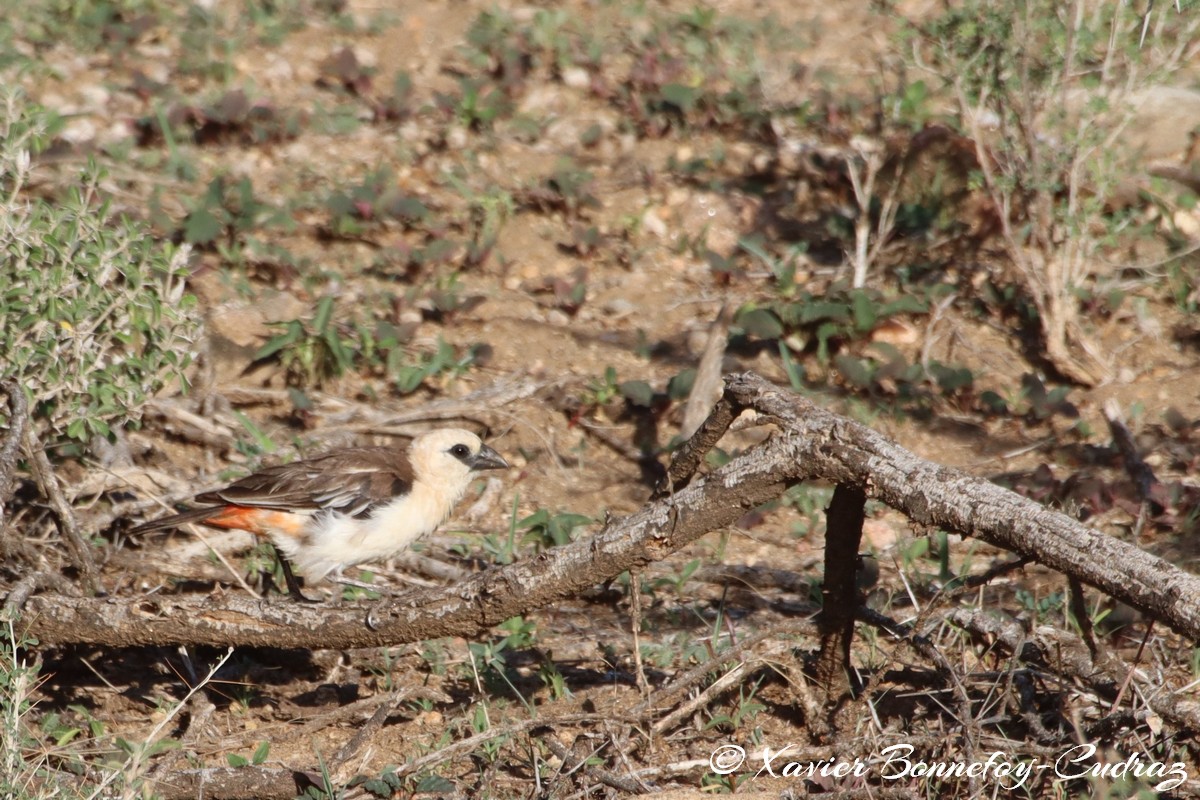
{"x": 487, "y": 458}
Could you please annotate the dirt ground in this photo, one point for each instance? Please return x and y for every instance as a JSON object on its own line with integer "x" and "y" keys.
{"x": 560, "y": 282}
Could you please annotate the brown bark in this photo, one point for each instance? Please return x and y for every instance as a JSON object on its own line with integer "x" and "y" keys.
{"x": 839, "y": 450}
{"x": 813, "y": 444}
{"x": 839, "y": 593}
{"x": 463, "y": 610}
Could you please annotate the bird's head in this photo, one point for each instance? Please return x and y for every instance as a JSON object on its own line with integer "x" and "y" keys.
{"x": 450, "y": 456}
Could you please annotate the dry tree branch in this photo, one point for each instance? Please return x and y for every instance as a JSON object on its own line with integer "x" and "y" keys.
{"x": 682, "y": 683}
{"x": 10, "y": 451}
{"x": 690, "y": 456}
{"x": 11, "y": 448}
{"x": 473, "y": 605}
{"x": 839, "y": 450}
{"x": 840, "y": 594}
{"x": 708, "y": 387}
{"x": 232, "y": 783}
{"x": 47, "y": 481}
{"x": 1067, "y": 654}
{"x": 813, "y": 444}
{"x": 573, "y": 762}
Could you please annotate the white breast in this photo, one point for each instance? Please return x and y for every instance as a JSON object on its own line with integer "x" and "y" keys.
{"x": 337, "y": 541}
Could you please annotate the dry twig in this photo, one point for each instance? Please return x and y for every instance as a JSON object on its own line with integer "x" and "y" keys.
{"x": 18, "y": 418}
{"x": 47, "y": 481}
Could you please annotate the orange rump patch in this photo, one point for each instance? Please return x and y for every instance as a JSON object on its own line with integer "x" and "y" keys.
{"x": 260, "y": 521}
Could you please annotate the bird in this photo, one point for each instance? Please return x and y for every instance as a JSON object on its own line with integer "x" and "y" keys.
{"x": 347, "y": 506}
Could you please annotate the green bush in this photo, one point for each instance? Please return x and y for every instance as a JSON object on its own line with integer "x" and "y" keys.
{"x": 94, "y": 318}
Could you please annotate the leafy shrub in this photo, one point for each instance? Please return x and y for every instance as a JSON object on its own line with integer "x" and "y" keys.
{"x": 93, "y": 315}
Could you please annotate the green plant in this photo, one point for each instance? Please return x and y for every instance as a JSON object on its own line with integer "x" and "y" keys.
{"x": 257, "y": 758}
{"x": 1042, "y": 607}
{"x": 744, "y": 710}
{"x": 508, "y": 49}
{"x": 445, "y": 361}
{"x": 225, "y": 215}
{"x": 545, "y": 530}
{"x": 679, "y": 579}
{"x": 553, "y": 679}
{"x": 371, "y": 202}
{"x": 603, "y": 390}
{"x": 490, "y": 749}
{"x": 326, "y": 789}
{"x": 502, "y": 550}
{"x": 321, "y": 349}
{"x": 87, "y": 25}
{"x": 696, "y": 69}
{"x": 568, "y": 189}
{"x": 389, "y": 784}
{"x": 477, "y": 104}
{"x": 488, "y": 213}
{"x": 488, "y": 658}
{"x": 433, "y": 653}
{"x": 94, "y": 318}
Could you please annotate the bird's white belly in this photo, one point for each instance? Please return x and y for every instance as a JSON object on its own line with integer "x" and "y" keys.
{"x": 336, "y": 541}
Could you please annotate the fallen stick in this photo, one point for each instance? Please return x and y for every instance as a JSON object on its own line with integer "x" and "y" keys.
{"x": 812, "y": 444}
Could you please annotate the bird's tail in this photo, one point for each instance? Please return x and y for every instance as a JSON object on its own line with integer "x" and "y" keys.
{"x": 200, "y": 515}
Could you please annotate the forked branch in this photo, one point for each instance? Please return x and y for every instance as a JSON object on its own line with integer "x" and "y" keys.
{"x": 812, "y": 444}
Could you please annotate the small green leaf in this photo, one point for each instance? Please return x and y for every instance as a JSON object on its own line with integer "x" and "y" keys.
{"x": 951, "y": 379}
{"x": 857, "y": 371}
{"x": 863, "y": 307}
{"x": 202, "y": 227}
{"x": 324, "y": 314}
{"x": 760, "y": 323}
{"x": 680, "y": 386}
{"x": 819, "y": 310}
{"x": 434, "y": 784}
{"x": 408, "y": 379}
{"x": 377, "y": 787}
{"x": 906, "y": 304}
{"x": 539, "y": 517}
{"x": 291, "y": 334}
{"x": 637, "y": 392}
{"x": 261, "y": 439}
{"x": 681, "y": 96}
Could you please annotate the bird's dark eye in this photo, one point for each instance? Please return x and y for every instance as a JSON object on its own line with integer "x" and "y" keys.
{"x": 460, "y": 451}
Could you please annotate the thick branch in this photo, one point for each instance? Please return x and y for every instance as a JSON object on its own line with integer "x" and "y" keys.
{"x": 839, "y": 450}
{"x": 691, "y": 454}
{"x": 472, "y": 606}
{"x": 813, "y": 444}
{"x": 47, "y": 480}
{"x": 233, "y": 783}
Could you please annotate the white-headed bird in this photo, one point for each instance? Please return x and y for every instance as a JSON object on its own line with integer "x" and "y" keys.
{"x": 348, "y": 506}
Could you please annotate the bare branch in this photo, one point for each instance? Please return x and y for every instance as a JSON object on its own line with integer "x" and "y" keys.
{"x": 842, "y": 537}
{"x": 473, "y": 605}
{"x": 813, "y": 444}
{"x": 839, "y": 450}
{"x": 47, "y": 481}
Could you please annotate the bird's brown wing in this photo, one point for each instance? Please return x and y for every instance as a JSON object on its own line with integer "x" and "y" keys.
{"x": 352, "y": 481}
